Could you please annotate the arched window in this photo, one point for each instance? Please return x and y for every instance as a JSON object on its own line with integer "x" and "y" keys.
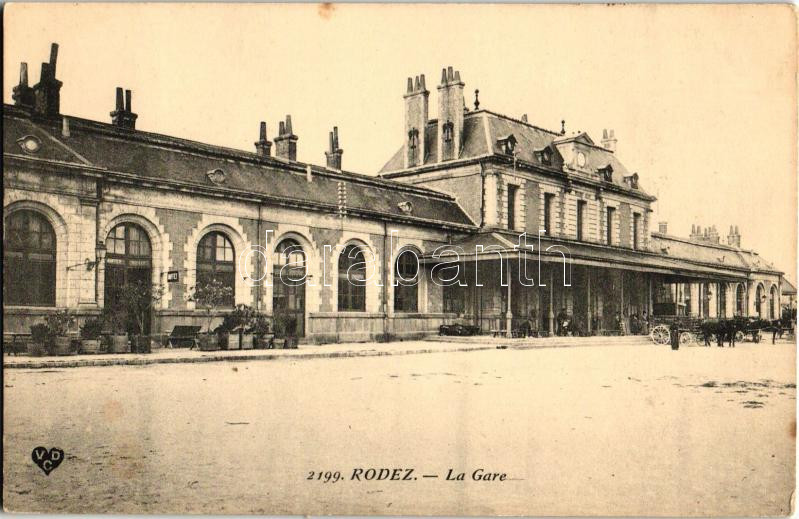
{"x": 289, "y": 261}
{"x": 128, "y": 260}
{"x": 406, "y": 289}
{"x": 740, "y": 300}
{"x": 29, "y": 256}
{"x": 288, "y": 295}
{"x": 351, "y": 280}
{"x": 216, "y": 259}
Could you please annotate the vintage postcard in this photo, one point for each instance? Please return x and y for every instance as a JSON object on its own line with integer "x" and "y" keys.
{"x": 395, "y": 259}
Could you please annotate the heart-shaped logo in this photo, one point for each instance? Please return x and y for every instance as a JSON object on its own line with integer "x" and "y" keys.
{"x": 47, "y": 460}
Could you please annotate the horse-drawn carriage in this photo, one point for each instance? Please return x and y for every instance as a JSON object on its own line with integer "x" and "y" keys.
{"x": 707, "y": 331}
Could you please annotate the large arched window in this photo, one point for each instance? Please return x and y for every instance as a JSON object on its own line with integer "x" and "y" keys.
{"x": 740, "y": 300}
{"x": 288, "y": 295}
{"x": 128, "y": 260}
{"x": 29, "y": 258}
{"x": 216, "y": 259}
{"x": 406, "y": 288}
{"x": 351, "y": 280}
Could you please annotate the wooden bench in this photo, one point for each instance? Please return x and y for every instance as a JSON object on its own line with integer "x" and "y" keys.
{"x": 183, "y": 336}
{"x": 15, "y": 343}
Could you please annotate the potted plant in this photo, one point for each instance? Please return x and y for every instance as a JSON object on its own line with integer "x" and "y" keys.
{"x": 59, "y": 324}
{"x": 41, "y": 339}
{"x": 286, "y": 326}
{"x": 90, "y": 334}
{"x": 210, "y": 297}
{"x": 244, "y": 317}
{"x": 261, "y": 330}
{"x": 118, "y": 338}
{"x": 138, "y": 299}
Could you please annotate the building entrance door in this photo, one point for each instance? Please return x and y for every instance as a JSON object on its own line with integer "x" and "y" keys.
{"x": 288, "y": 300}
{"x": 128, "y": 262}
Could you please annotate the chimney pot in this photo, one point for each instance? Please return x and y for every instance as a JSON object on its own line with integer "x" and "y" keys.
{"x": 123, "y": 117}
{"x": 120, "y": 102}
{"x": 289, "y": 131}
{"x": 262, "y": 146}
{"x": 262, "y": 132}
{"x": 333, "y": 156}
{"x": 450, "y": 76}
{"x": 53, "y": 57}
{"x": 23, "y": 74}
{"x": 410, "y": 86}
{"x": 128, "y": 99}
{"x": 421, "y": 82}
{"x": 443, "y": 76}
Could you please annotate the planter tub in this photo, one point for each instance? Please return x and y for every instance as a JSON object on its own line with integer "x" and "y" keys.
{"x": 246, "y": 341}
{"x": 142, "y": 344}
{"x": 90, "y": 346}
{"x": 209, "y": 342}
{"x": 232, "y": 341}
{"x": 37, "y": 349}
{"x": 63, "y": 346}
{"x": 118, "y": 344}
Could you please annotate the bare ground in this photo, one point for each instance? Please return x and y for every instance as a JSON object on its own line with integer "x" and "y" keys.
{"x": 629, "y": 430}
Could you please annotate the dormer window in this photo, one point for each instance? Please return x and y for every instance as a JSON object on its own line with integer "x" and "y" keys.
{"x": 507, "y": 144}
{"x": 544, "y": 156}
{"x": 606, "y": 173}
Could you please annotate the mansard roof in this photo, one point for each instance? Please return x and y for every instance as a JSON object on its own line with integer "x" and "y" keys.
{"x": 482, "y": 132}
{"x": 144, "y": 157}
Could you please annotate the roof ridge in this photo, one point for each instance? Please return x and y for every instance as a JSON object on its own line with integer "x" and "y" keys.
{"x": 183, "y": 144}
{"x": 519, "y": 121}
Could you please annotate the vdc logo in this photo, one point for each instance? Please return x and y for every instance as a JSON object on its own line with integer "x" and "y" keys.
{"x": 47, "y": 460}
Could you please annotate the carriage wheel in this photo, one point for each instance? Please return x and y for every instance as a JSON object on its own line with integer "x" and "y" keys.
{"x": 740, "y": 336}
{"x": 687, "y": 338}
{"x": 660, "y": 334}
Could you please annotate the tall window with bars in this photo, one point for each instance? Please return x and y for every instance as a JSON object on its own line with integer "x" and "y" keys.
{"x": 609, "y": 213}
{"x": 581, "y": 204}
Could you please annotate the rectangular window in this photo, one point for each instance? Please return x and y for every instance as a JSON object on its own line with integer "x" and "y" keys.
{"x": 549, "y": 200}
{"x": 609, "y": 224}
{"x": 512, "y": 190}
{"x": 636, "y": 232}
{"x": 580, "y": 218}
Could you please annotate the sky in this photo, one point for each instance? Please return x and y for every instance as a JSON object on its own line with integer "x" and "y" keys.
{"x": 702, "y": 98}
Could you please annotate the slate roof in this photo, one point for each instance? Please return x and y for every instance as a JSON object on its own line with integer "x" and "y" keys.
{"x": 164, "y": 159}
{"x": 482, "y": 130}
{"x": 717, "y": 254}
{"x": 787, "y": 288}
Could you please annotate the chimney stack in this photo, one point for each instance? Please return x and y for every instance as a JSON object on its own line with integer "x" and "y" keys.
{"x": 609, "y": 140}
{"x": 334, "y": 154}
{"x": 450, "y": 115}
{"x": 262, "y": 146}
{"x": 47, "y": 92}
{"x": 663, "y": 227}
{"x": 712, "y": 234}
{"x": 416, "y": 114}
{"x": 734, "y": 237}
{"x": 23, "y": 94}
{"x": 123, "y": 116}
{"x": 286, "y": 141}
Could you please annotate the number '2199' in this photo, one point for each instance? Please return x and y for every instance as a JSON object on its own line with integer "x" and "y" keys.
{"x": 324, "y": 477}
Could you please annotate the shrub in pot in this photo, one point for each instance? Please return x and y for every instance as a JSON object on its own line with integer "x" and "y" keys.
{"x": 244, "y": 317}
{"x": 59, "y": 324}
{"x": 138, "y": 299}
{"x": 90, "y": 334}
{"x": 210, "y": 296}
{"x": 286, "y": 327}
{"x": 41, "y": 339}
{"x": 261, "y": 330}
{"x": 118, "y": 339}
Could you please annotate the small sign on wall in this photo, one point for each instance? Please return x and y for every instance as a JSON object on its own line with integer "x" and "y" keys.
{"x": 173, "y": 276}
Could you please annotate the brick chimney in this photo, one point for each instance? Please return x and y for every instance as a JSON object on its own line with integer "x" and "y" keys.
{"x": 262, "y": 146}
{"x": 416, "y": 113}
{"x": 47, "y": 92}
{"x": 286, "y": 141}
{"x": 712, "y": 234}
{"x": 663, "y": 227}
{"x": 123, "y": 116}
{"x": 734, "y": 237}
{"x": 23, "y": 94}
{"x": 696, "y": 232}
{"x": 609, "y": 140}
{"x": 334, "y": 154}
{"x": 450, "y": 115}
